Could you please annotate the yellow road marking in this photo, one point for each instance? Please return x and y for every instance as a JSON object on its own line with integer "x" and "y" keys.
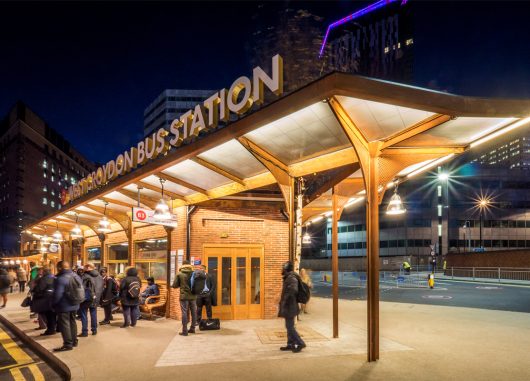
{"x": 15, "y": 365}
{"x": 13, "y": 349}
{"x": 17, "y": 374}
{"x": 37, "y": 374}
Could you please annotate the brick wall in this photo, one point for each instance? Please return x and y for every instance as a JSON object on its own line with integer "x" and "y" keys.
{"x": 223, "y": 222}
{"x": 229, "y": 222}
{"x": 508, "y": 258}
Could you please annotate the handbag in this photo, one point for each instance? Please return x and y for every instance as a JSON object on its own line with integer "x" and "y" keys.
{"x": 26, "y": 302}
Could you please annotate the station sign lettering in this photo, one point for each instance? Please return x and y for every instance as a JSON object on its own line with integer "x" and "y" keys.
{"x": 238, "y": 99}
{"x": 148, "y": 216}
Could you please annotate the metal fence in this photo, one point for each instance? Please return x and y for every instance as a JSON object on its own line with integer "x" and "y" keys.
{"x": 387, "y": 279}
{"x": 497, "y": 273}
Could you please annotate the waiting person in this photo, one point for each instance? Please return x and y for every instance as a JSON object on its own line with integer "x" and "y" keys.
{"x": 187, "y": 299}
{"x": 42, "y": 301}
{"x": 306, "y": 278}
{"x": 93, "y": 284}
{"x": 5, "y": 284}
{"x": 22, "y": 278}
{"x": 151, "y": 290}
{"x": 204, "y": 289}
{"x": 41, "y": 318}
{"x": 13, "y": 277}
{"x": 65, "y": 306}
{"x": 34, "y": 271}
{"x": 130, "y": 296}
{"x": 289, "y": 308}
{"x": 111, "y": 292}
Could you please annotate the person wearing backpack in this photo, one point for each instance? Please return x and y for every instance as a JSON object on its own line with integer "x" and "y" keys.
{"x": 183, "y": 280}
{"x": 288, "y": 308}
{"x": 93, "y": 284}
{"x": 130, "y": 296}
{"x": 68, "y": 293}
{"x": 203, "y": 288}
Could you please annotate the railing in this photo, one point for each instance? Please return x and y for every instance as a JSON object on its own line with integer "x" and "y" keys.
{"x": 496, "y": 273}
{"x": 387, "y": 279}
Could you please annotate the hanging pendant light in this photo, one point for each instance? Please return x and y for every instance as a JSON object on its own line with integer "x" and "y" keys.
{"x": 162, "y": 209}
{"x": 104, "y": 224}
{"x": 395, "y": 206}
{"x": 44, "y": 239}
{"x": 306, "y": 239}
{"x": 57, "y": 236}
{"x": 76, "y": 230}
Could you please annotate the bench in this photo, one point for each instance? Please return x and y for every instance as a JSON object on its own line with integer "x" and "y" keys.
{"x": 160, "y": 301}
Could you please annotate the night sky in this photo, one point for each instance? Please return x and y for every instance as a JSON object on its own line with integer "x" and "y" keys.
{"x": 90, "y": 69}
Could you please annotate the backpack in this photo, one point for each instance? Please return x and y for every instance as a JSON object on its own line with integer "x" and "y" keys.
{"x": 133, "y": 290}
{"x": 74, "y": 291}
{"x": 304, "y": 292}
{"x": 90, "y": 290}
{"x": 199, "y": 283}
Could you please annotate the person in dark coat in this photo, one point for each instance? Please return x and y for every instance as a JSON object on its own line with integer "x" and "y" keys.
{"x": 93, "y": 283}
{"x": 204, "y": 289}
{"x": 64, "y": 307}
{"x": 5, "y": 282}
{"x": 42, "y": 300}
{"x": 289, "y": 308}
{"x": 187, "y": 298}
{"x": 111, "y": 291}
{"x": 129, "y": 303}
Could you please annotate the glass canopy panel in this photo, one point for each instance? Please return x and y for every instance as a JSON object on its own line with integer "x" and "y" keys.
{"x": 120, "y": 197}
{"x": 460, "y": 131}
{"x": 301, "y": 135}
{"x": 168, "y": 185}
{"x": 110, "y": 206}
{"x": 197, "y": 175}
{"x": 235, "y": 159}
{"x": 380, "y": 120}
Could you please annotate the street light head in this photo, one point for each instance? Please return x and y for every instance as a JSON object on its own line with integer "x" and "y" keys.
{"x": 483, "y": 202}
{"x": 443, "y": 176}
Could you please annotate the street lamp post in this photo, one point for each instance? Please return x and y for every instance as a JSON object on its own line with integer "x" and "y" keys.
{"x": 483, "y": 203}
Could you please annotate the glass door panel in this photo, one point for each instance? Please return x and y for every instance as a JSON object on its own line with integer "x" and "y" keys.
{"x": 255, "y": 274}
{"x": 241, "y": 281}
{"x": 226, "y": 281}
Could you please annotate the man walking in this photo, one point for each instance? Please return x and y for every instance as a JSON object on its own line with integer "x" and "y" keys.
{"x": 203, "y": 287}
{"x": 187, "y": 299}
{"x": 289, "y": 308}
{"x": 68, "y": 293}
{"x": 93, "y": 284}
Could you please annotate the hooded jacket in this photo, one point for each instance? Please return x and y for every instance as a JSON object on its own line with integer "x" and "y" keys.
{"x": 125, "y": 297}
{"x": 182, "y": 281}
{"x": 288, "y": 303}
{"x": 96, "y": 279}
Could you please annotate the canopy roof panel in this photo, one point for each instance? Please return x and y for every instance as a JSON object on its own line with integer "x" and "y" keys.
{"x": 196, "y": 174}
{"x": 303, "y": 134}
{"x": 379, "y": 120}
{"x": 234, "y": 158}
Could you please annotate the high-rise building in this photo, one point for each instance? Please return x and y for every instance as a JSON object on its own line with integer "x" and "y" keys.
{"x": 36, "y": 163}
{"x": 376, "y": 41}
{"x": 169, "y": 106}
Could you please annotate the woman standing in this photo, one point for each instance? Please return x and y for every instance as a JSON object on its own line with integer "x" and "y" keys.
{"x": 130, "y": 296}
{"x": 306, "y": 278}
{"x": 111, "y": 291}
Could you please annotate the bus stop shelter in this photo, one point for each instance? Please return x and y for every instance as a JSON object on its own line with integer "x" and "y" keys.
{"x": 370, "y": 134}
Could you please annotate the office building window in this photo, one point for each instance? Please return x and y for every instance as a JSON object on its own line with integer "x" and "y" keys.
{"x": 44, "y": 201}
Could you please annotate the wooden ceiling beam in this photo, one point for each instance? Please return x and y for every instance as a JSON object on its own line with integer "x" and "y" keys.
{"x": 159, "y": 189}
{"x": 423, "y": 126}
{"x": 218, "y": 170}
{"x": 183, "y": 183}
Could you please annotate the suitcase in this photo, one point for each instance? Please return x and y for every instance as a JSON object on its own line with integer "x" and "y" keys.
{"x": 209, "y": 324}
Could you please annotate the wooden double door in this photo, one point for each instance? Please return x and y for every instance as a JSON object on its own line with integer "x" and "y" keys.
{"x": 237, "y": 271}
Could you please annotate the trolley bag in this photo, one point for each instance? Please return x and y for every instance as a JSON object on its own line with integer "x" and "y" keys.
{"x": 209, "y": 324}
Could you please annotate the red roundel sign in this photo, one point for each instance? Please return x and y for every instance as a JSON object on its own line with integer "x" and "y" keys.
{"x": 141, "y": 215}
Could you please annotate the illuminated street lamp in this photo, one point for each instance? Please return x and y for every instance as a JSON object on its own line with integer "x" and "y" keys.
{"x": 483, "y": 203}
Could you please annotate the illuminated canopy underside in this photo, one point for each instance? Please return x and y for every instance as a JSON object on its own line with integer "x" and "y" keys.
{"x": 302, "y": 134}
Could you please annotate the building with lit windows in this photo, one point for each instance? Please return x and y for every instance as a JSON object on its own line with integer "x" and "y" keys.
{"x": 36, "y": 163}
{"x": 169, "y": 105}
